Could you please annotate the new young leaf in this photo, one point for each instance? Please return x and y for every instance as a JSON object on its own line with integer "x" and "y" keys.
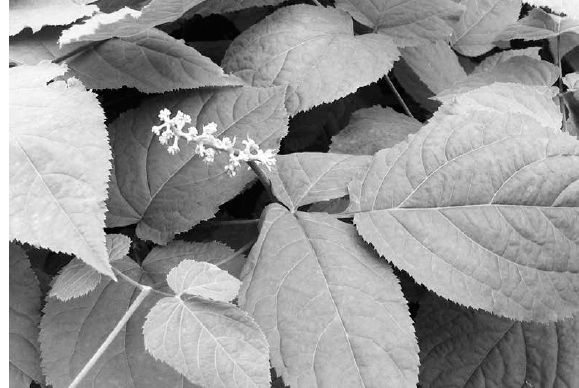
{"x": 59, "y": 164}
{"x": 206, "y": 280}
{"x": 333, "y": 313}
{"x": 79, "y": 278}
{"x": 314, "y": 51}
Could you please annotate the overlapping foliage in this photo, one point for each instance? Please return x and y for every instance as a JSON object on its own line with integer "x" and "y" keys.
{"x": 439, "y": 246}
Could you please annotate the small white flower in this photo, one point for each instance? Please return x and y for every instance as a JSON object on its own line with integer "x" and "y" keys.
{"x": 207, "y": 145}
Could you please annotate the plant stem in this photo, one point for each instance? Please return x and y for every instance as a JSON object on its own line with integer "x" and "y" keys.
{"x": 212, "y": 223}
{"x": 560, "y": 80}
{"x": 77, "y": 50}
{"x": 316, "y": 2}
{"x": 144, "y": 292}
{"x": 398, "y": 96}
{"x": 263, "y": 178}
{"x": 236, "y": 253}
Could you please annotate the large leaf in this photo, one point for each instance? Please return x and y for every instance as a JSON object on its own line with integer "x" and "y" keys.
{"x": 59, "y": 164}
{"x": 36, "y": 14}
{"x": 151, "y": 61}
{"x": 213, "y": 344}
{"x": 408, "y": 22}
{"x": 521, "y": 69}
{"x": 72, "y": 331}
{"x": 462, "y": 347}
{"x": 481, "y": 207}
{"x": 78, "y": 278}
{"x": 24, "y": 317}
{"x": 372, "y": 129}
{"x": 168, "y": 194}
{"x": 304, "y": 178}
{"x": 333, "y": 313}
{"x": 314, "y": 51}
{"x": 482, "y": 21}
{"x": 127, "y": 22}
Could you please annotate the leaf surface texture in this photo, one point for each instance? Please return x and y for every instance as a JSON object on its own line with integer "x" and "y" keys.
{"x": 333, "y": 313}
{"x": 59, "y": 164}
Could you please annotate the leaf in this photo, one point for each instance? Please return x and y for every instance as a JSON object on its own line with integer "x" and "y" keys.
{"x": 333, "y": 313}
{"x": 203, "y": 279}
{"x": 36, "y": 14}
{"x": 77, "y": 278}
{"x": 372, "y": 129}
{"x": 151, "y": 61}
{"x": 206, "y": 8}
{"x": 59, "y": 165}
{"x": 435, "y": 64}
{"x": 168, "y": 194}
{"x": 534, "y": 102}
{"x": 427, "y": 70}
{"x": 491, "y": 62}
{"x": 72, "y": 331}
{"x": 31, "y": 49}
{"x": 464, "y": 347}
{"x": 571, "y": 80}
{"x": 302, "y": 178}
{"x": 161, "y": 259}
{"x": 407, "y": 22}
{"x": 314, "y": 128}
{"x": 482, "y": 21}
{"x": 213, "y": 344}
{"x": 568, "y": 7}
{"x": 24, "y": 317}
{"x": 127, "y": 22}
{"x": 538, "y": 25}
{"x": 311, "y": 49}
{"x": 522, "y": 70}
{"x": 480, "y": 207}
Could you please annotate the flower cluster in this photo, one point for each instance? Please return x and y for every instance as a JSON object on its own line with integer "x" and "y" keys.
{"x": 206, "y": 144}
